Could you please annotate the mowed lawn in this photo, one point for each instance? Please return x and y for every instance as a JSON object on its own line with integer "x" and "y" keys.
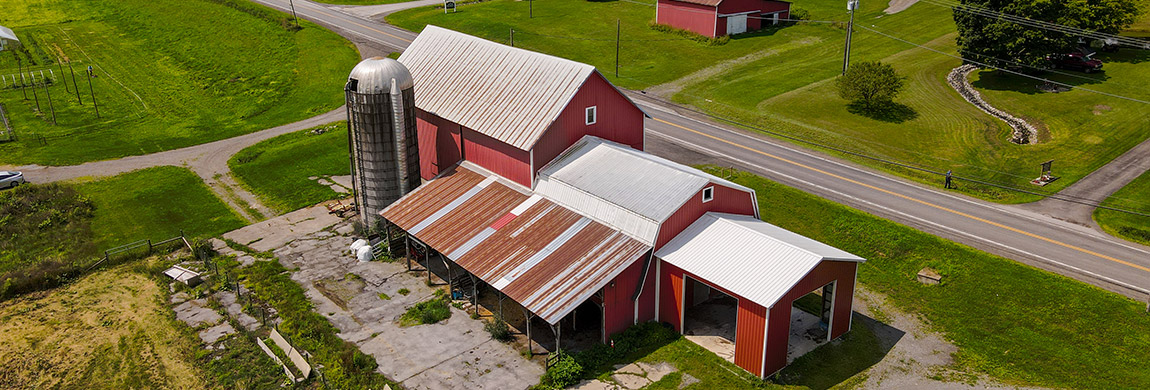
{"x": 278, "y": 170}
{"x": 1013, "y": 322}
{"x": 155, "y": 204}
{"x": 1136, "y": 197}
{"x": 167, "y": 74}
{"x": 585, "y": 31}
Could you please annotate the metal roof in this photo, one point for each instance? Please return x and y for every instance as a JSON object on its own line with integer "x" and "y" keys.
{"x": 544, "y": 256}
{"x": 510, "y": 94}
{"x": 376, "y": 75}
{"x": 749, "y": 257}
{"x": 625, "y": 188}
{"x": 710, "y": 3}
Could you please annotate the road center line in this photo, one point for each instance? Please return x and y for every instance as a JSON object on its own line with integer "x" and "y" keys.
{"x": 916, "y": 200}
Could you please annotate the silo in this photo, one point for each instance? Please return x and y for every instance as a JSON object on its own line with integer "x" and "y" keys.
{"x": 383, "y": 140}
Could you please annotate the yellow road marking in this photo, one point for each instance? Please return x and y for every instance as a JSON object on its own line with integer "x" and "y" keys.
{"x": 956, "y": 212}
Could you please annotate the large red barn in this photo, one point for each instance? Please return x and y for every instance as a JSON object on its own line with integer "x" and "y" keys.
{"x": 715, "y": 18}
{"x": 538, "y": 187}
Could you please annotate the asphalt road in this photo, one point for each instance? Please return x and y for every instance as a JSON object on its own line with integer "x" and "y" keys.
{"x": 1010, "y": 231}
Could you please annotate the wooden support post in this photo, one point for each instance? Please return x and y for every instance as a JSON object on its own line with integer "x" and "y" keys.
{"x": 74, "y": 86}
{"x": 527, "y": 316}
{"x": 558, "y": 328}
{"x": 474, "y": 293}
{"x": 500, "y": 305}
{"x": 407, "y": 250}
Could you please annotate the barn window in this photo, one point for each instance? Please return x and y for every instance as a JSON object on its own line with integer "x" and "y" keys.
{"x": 708, "y": 194}
{"x": 591, "y": 115}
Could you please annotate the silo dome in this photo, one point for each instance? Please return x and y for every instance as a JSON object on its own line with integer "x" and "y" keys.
{"x": 374, "y": 75}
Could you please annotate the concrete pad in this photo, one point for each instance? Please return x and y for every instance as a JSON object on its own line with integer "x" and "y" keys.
{"x": 632, "y": 369}
{"x": 279, "y": 231}
{"x": 179, "y": 298}
{"x": 687, "y": 380}
{"x": 800, "y": 341}
{"x": 718, "y": 345}
{"x": 235, "y": 310}
{"x": 655, "y": 372}
{"x": 594, "y": 385}
{"x": 215, "y": 333}
{"x": 630, "y": 382}
{"x": 195, "y": 313}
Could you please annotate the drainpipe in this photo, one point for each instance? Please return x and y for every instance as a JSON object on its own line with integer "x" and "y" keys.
{"x": 642, "y": 281}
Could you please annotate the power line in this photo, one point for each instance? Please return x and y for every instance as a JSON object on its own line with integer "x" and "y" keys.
{"x": 989, "y": 13}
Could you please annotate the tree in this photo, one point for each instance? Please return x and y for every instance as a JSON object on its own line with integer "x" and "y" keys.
{"x": 1001, "y": 43}
{"x": 871, "y": 84}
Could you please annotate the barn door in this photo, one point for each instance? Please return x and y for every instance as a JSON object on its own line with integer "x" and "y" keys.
{"x": 736, "y": 24}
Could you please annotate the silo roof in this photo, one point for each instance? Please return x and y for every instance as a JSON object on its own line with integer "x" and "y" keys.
{"x": 374, "y": 75}
{"x": 510, "y": 94}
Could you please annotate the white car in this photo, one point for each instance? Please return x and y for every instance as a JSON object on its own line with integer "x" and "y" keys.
{"x": 9, "y": 179}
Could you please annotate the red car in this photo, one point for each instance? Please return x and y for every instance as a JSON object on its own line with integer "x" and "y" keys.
{"x": 1076, "y": 61}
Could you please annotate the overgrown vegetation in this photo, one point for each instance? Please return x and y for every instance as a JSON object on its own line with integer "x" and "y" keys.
{"x": 344, "y": 366}
{"x": 163, "y": 80}
{"x": 1135, "y": 196}
{"x": 1010, "y": 321}
{"x": 279, "y": 170}
{"x": 694, "y": 36}
{"x": 34, "y": 220}
{"x": 498, "y": 329}
{"x": 427, "y": 312}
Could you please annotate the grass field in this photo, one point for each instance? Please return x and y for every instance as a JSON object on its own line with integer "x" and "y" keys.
{"x": 1132, "y": 197}
{"x": 1013, "y": 322}
{"x": 584, "y": 31}
{"x": 163, "y": 80}
{"x": 277, "y": 170}
{"x": 155, "y": 204}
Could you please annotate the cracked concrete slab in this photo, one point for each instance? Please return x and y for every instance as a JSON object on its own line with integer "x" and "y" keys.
{"x": 196, "y": 313}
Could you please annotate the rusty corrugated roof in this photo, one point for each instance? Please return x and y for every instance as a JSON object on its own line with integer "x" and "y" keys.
{"x": 544, "y": 256}
{"x": 510, "y": 94}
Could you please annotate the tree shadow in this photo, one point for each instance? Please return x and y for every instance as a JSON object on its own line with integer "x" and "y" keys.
{"x": 763, "y": 32}
{"x": 892, "y": 112}
{"x": 1126, "y": 56}
{"x": 1004, "y": 81}
{"x": 831, "y": 364}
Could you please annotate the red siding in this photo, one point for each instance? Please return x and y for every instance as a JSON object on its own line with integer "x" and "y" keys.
{"x": 727, "y": 200}
{"x": 647, "y": 298}
{"x": 687, "y": 16}
{"x": 780, "y": 317}
{"x": 617, "y": 120}
{"x": 438, "y": 144}
{"x": 502, "y": 159}
{"x": 752, "y": 321}
{"x": 670, "y": 293}
{"x": 754, "y": 21}
{"x": 618, "y": 308}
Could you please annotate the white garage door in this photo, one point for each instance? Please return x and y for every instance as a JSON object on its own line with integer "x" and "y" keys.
{"x": 736, "y": 24}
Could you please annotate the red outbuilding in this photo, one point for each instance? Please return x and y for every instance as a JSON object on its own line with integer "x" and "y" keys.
{"x": 715, "y": 18}
{"x": 538, "y": 189}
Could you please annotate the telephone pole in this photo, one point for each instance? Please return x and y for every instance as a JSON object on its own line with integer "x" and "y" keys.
{"x": 93, "y": 92}
{"x": 618, "y": 23}
{"x": 851, "y": 6}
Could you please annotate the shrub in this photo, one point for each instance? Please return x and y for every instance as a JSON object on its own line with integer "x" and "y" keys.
{"x": 498, "y": 329}
{"x": 694, "y": 36}
{"x": 565, "y": 372}
{"x": 404, "y": 291}
{"x": 800, "y": 14}
{"x": 426, "y": 312}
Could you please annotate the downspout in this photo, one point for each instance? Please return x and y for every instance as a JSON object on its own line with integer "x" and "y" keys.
{"x": 643, "y": 281}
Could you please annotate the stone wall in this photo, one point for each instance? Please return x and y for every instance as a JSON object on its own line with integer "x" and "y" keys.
{"x": 1024, "y": 132}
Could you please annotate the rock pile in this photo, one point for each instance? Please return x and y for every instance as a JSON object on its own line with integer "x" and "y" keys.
{"x": 1024, "y": 132}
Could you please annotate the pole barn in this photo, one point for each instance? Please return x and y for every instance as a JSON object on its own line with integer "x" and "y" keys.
{"x": 716, "y": 18}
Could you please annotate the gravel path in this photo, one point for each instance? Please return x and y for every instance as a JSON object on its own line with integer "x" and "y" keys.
{"x": 896, "y": 6}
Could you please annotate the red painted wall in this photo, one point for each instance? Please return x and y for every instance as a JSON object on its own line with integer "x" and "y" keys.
{"x": 647, "y": 298}
{"x": 752, "y": 320}
{"x": 617, "y": 120}
{"x": 502, "y": 159}
{"x": 727, "y": 200}
{"x": 687, "y": 16}
{"x": 438, "y": 144}
{"x": 618, "y": 308}
{"x": 754, "y": 21}
{"x": 780, "y": 317}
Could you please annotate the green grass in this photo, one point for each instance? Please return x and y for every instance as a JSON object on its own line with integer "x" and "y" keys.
{"x": 584, "y": 31}
{"x": 1134, "y": 196}
{"x": 155, "y": 204}
{"x": 277, "y": 170}
{"x": 33, "y": 218}
{"x": 427, "y": 312}
{"x": 345, "y": 367}
{"x": 1016, "y": 323}
{"x": 164, "y": 80}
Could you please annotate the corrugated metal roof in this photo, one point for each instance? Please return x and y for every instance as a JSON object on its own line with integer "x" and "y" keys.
{"x": 749, "y": 257}
{"x": 710, "y": 3}
{"x": 625, "y": 188}
{"x": 510, "y": 94}
{"x": 544, "y": 256}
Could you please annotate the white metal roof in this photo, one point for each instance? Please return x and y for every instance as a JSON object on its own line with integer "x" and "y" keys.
{"x": 510, "y": 94}
{"x": 628, "y": 189}
{"x": 749, "y": 257}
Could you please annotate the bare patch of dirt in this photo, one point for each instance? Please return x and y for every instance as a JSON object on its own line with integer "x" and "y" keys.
{"x": 896, "y": 6}
{"x": 1101, "y": 109}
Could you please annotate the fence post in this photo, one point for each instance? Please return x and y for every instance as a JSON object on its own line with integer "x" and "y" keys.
{"x": 149, "y": 246}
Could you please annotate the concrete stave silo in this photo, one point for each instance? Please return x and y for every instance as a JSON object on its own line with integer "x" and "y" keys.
{"x": 383, "y": 140}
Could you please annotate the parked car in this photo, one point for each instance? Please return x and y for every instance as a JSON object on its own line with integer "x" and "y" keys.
{"x": 10, "y": 179}
{"x": 1076, "y": 61}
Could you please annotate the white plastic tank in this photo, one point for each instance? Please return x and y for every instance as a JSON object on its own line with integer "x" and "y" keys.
{"x": 364, "y": 253}
{"x": 358, "y": 244}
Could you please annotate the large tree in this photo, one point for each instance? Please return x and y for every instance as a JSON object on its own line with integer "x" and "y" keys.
{"x": 999, "y": 42}
{"x": 870, "y": 84}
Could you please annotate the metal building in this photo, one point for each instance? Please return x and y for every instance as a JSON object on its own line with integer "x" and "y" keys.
{"x": 383, "y": 140}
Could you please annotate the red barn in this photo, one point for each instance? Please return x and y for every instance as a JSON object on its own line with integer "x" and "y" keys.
{"x": 715, "y": 18}
{"x": 539, "y": 189}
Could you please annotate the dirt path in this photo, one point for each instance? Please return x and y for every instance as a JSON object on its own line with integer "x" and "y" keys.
{"x": 896, "y": 6}
{"x": 669, "y": 89}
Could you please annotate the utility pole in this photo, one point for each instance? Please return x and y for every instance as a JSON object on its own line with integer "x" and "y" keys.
{"x": 851, "y": 6}
{"x": 293, "y": 15}
{"x": 50, "y": 107}
{"x": 74, "y": 86}
{"x": 93, "y": 92}
{"x": 34, "y": 94}
{"x": 512, "y": 37}
{"x": 618, "y": 34}
{"x": 20, "y": 68}
{"x": 60, "y": 65}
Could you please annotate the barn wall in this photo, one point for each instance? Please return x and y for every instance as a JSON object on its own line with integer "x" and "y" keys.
{"x": 727, "y": 200}
{"x": 438, "y": 143}
{"x": 780, "y": 314}
{"x": 617, "y": 120}
{"x": 687, "y": 16}
{"x": 752, "y": 321}
{"x": 618, "y": 308}
{"x": 670, "y": 293}
{"x": 502, "y": 159}
{"x": 647, "y": 298}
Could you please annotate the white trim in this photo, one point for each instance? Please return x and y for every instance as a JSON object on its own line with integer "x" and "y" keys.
{"x": 766, "y": 328}
{"x": 683, "y": 303}
{"x": 658, "y": 286}
{"x": 707, "y": 189}
{"x": 593, "y": 113}
{"x": 831, "y": 320}
{"x": 852, "y": 305}
{"x": 740, "y": 13}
